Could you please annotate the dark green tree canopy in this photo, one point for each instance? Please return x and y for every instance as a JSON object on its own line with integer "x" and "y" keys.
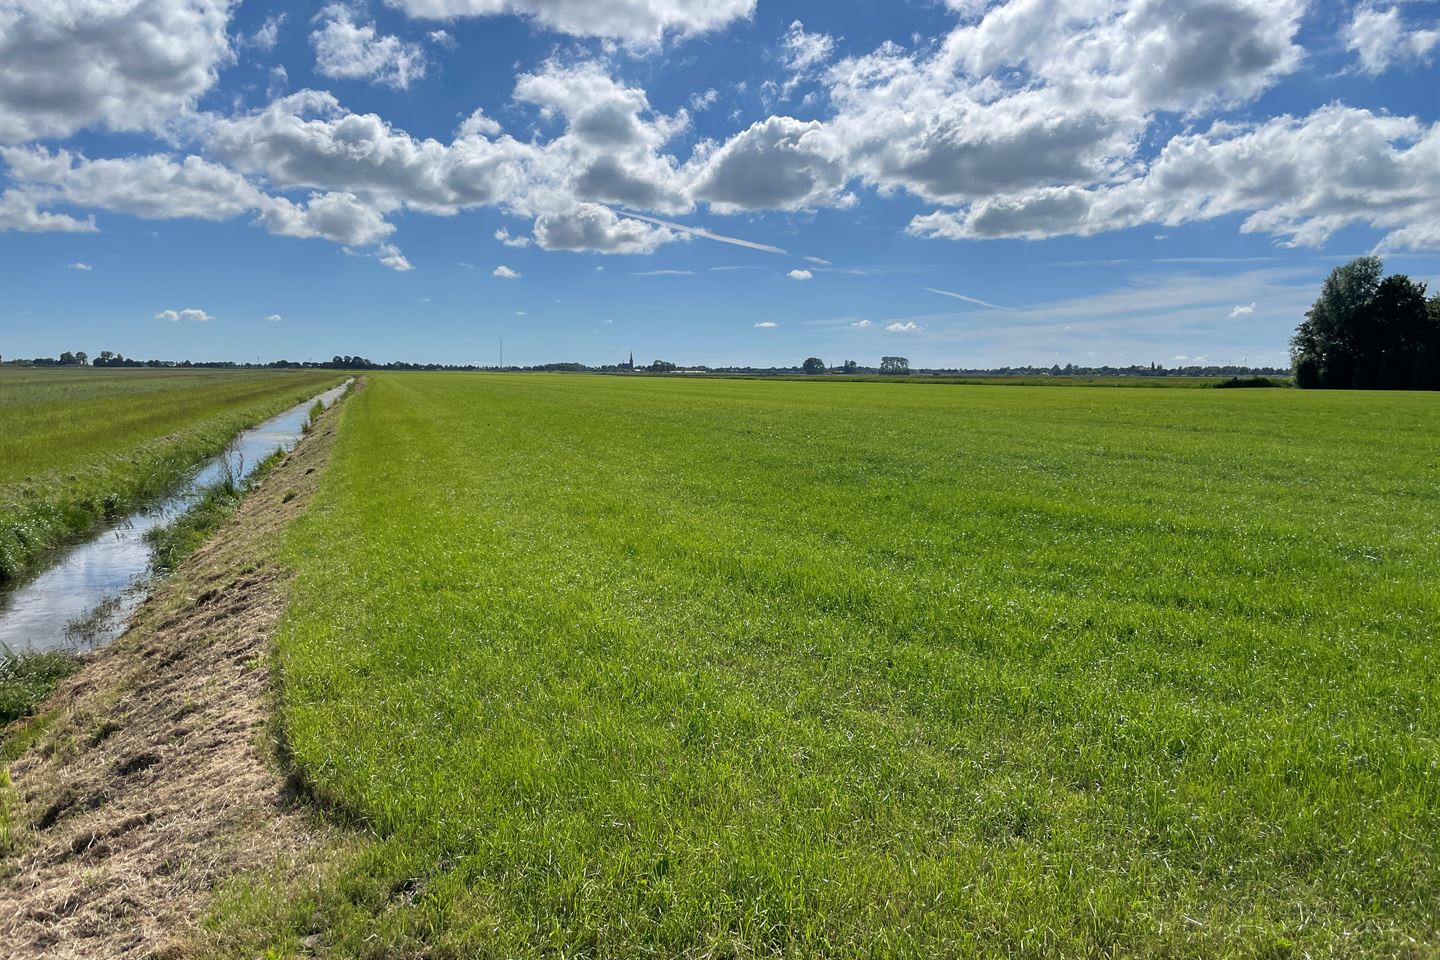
{"x": 813, "y": 365}
{"x": 1368, "y": 331}
{"x": 894, "y": 365}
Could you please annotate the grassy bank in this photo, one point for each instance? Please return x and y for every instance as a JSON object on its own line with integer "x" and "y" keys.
{"x": 81, "y": 445}
{"x": 638, "y": 667}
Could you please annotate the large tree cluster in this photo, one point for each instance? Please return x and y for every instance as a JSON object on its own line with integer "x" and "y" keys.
{"x": 1368, "y": 331}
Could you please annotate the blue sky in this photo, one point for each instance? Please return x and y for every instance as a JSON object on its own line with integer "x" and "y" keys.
{"x": 707, "y": 181}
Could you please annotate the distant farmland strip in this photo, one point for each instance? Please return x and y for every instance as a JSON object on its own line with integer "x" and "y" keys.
{"x": 79, "y": 445}
{"x": 632, "y": 667}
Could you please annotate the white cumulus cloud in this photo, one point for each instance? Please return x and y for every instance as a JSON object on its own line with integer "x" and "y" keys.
{"x": 779, "y": 163}
{"x": 801, "y": 50}
{"x": 593, "y": 227}
{"x": 641, "y": 22}
{"x": 766, "y": 325}
{"x": 505, "y": 273}
{"x": 1381, "y": 39}
{"x": 268, "y": 34}
{"x": 390, "y": 256}
{"x": 190, "y": 313}
{"x": 704, "y": 101}
{"x": 356, "y": 51}
{"x": 159, "y": 186}
{"x": 1023, "y": 119}
{"x": 19, "y": 211}
{"x": 800, "y": 274}
{"x": 504, "y": 237}
{"x": 70, "y": 64}
{"x": 1299, "y": 179}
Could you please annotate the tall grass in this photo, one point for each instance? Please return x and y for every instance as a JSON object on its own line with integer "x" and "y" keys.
{"x": 81, "y": 445}
{"x": 621, "y": 668}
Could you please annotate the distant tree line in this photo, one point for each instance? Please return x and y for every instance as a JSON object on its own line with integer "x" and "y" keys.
{"x": 110, "y": 358}
{"x": 1368, "y": 331}
{"x": 813, "y": 366}
{"x": 66, "y": 359}
{"x": 900, "y": 366}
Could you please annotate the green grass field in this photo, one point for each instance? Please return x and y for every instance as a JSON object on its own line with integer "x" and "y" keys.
{"x": 636, "y": 667}
{"x": 77, "y": 445}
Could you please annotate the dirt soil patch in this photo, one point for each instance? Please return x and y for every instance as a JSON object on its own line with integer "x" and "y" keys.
{"x": 156, "y": 777}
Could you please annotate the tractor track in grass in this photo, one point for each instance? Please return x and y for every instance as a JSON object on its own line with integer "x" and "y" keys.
{"x": 153, "y": 778}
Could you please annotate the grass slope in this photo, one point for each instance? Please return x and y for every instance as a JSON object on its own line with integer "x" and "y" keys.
{"x": 732, "y": 668}
{"x": 80, "y": 445}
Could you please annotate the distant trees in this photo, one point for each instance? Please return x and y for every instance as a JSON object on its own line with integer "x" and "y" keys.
{"x": 339, "y": 362}
{"x": 850, "y": 366}
{"x": 662, "y": 366}
{"x": 109, "y": 358}
{"x": 1369, "y": 332}
{"x": 813, "y": 365}
{"x": 894, "y": 365}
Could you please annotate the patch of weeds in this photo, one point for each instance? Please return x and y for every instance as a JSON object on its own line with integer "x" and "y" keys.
{"x": 27, "y": 678}
{"x": 24, "y": 735}
{"x": 102, "y": 729}
{"x": 9, "y": 814}
{"x": 104, "y": 622}
{"x": 314, "y": 414}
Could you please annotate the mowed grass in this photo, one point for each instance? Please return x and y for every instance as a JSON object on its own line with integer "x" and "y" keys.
{"x": 77, "y": 445}
{"x": 635, "y": 667}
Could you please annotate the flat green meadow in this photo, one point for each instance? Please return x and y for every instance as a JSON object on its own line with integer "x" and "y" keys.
{"x": 78, "y": 445}
{"x": 625, "y": 667}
